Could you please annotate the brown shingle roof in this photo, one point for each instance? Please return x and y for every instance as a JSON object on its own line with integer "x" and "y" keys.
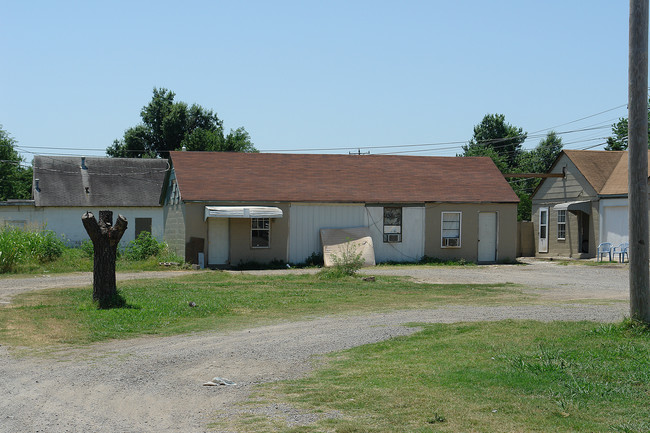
{"x": 606, "y": 171}
{"x": 618, "y": 182}
{"x": 595, "y": 165}
{"x": 222, "y": 176}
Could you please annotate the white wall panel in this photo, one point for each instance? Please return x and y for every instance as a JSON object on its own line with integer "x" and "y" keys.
{"x": 412, "y": 246}
{"x": 614, "y": 221}
{"x": 307, "y": 220}
{"x": 67, "y": 221}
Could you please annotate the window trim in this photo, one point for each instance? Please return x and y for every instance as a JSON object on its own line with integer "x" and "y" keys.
{"x": 261, "y": 229}
{"x": 563, "y": 224}
{"x": 386, "y": 235}
{"x": 442, "y": 229}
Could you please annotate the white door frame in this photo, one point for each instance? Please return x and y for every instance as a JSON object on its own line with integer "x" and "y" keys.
{"x": 218, "y": 241}
{"x": 488, "y": 238}
{"x": 542, "y": 230}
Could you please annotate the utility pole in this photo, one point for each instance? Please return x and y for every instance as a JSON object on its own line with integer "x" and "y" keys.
{"x": 638, "y": 161}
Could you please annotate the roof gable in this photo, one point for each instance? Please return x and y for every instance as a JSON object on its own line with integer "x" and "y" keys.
{"x": 617, "y": 184}
{"x": 90, "y": 181}
{"x": 226, "y": 176}
{"x": 596, "y": 166}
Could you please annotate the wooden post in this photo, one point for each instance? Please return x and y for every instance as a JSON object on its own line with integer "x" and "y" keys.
{"x": 105, "y": 237}
{"x": 638, "y": 161}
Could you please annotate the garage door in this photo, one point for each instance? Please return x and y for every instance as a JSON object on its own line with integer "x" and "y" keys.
{"x": 614, "y": 225}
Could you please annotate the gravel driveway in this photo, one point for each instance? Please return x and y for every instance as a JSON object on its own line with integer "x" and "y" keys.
{"x": 155, "y": 384}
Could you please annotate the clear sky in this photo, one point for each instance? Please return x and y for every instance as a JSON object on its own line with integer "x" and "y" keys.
{"x": 323, "y": 77}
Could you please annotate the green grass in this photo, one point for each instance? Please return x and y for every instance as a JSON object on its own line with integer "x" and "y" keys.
{"x": 510, "y": 376}
{"x": 223, "y": 300}
{"x": 74, "y": 260}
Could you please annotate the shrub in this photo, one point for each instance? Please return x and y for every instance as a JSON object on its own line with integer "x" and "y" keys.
{"x": 349, "y": 261}
{"x": 18, "y": 246}
{"x": 87, "y": 248}
{"x": 48, "y": 246}
{"x": 10, "y": 249}
{"x": 315, "y": 259}
{"x": 144, "y": 247}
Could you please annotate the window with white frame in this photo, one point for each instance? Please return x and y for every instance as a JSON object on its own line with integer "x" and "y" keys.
{"x": 260, "y": 232}
{"x": 392, "y": 224}
{"x": 450, "y": 229}
{"x": 561, "y": 224}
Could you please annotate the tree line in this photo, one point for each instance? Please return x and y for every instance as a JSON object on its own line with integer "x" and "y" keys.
{"x": 167, "y": 124}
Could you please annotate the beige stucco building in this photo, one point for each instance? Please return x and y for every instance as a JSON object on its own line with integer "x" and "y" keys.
{"x": 226, "y": 209}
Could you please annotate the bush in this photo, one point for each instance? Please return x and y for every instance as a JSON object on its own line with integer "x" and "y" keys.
{"x": 87, "y": 248}
{"x": 315, "y": 260}
{"x": 18, "y": 246}
{"x": 48, "y": 246}
{"x": 144, "y": 247}
{"x": 10, "y": 249}
{"x": 349, "y": 261}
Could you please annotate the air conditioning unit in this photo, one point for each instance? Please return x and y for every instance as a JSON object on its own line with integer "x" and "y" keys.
{"x": 394, "y": 237}
{"x": 450, "y": 242}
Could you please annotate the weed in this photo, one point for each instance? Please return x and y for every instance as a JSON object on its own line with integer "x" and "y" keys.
{"x": 21, "y": 246}
{"x": 349, "y": 261}
{"x": 144, "y": 246}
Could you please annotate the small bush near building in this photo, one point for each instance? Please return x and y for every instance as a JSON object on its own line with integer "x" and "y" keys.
{"x": 346, "y": 264}
{"x": 143, "y": 247}
{"x": 18, "y": 246}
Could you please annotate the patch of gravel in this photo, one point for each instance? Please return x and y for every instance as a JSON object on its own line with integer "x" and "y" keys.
{"x": 155, "y": 384}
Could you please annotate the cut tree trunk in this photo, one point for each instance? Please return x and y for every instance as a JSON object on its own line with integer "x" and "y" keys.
{"x": 105, "y": 237}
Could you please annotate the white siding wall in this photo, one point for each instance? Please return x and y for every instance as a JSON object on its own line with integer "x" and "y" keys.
{"x": 614, "y": 221}
{"x": 67, "y": 221}
{"x": 22, "y": 216}
{"x": 412, "y": 246}
{"x": 305, "y": 222}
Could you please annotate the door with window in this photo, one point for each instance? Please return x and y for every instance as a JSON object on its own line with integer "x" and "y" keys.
{"x": 542, "y": 246}
{"x": 487, "y": 237}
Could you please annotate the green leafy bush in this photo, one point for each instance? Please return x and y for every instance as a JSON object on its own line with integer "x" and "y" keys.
{"x": 19, "y": 246}
{"x": 144, "y": 247}
{"x": 10, "y": 249}
{"x": 349, "y": 261}
{"x": 47, "y": 246}
{"x": 87, "y": 248}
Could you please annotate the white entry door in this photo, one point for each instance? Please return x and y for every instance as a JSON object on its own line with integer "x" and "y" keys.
{"x": 487, "y": 236}
{"x": 543, "y": 230}
{"x": 218, "y": 243}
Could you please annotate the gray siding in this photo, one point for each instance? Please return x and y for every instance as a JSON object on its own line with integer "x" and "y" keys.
{"x": 554, "y": 190}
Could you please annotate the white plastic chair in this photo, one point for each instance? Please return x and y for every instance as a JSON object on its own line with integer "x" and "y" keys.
{"x": 605, "y": 248}
{"x": 622, "y": 251}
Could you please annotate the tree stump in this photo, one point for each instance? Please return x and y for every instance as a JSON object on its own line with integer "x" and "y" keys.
{"x": 105, "y": 237}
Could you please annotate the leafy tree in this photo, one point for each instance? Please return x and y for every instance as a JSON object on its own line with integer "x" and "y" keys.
{"x": 168, "y": 125}
{"x": 15, "y": 180}
{"x": 501, "y": 141}
{"x": 502, "y": 138}
{"x": 618, "y": 140}
{"x": 537, "y": 160}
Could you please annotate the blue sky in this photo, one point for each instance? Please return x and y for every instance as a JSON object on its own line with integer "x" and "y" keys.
{"x": 322, "y": 77}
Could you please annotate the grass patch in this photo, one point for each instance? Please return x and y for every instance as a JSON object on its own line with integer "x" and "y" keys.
{"x": 222, "y": 300}
{"x": 510, "y": 376}
{"x": 75, "y": 260}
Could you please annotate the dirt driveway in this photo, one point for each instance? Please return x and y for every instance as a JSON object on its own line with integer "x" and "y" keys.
{"x": 155, "y": 384}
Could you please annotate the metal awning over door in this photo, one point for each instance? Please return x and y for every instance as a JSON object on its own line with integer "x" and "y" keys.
{"x": 573, "y": 206}
{"x": 242, "y": 212}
